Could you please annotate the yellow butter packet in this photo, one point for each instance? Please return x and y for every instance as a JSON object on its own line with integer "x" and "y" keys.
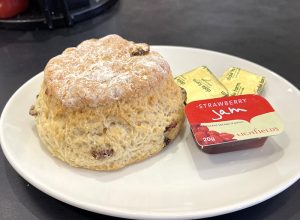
{"x": 241, "y": 82}
{"x": 201, "y": 84}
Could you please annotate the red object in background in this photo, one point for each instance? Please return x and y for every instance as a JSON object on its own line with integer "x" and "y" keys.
{"x": 11, "y": 8}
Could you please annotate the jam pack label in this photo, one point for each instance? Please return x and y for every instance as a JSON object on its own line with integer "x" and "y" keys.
{"x": 232, "y": 118}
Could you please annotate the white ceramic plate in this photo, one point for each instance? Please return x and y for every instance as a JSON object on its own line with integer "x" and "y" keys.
{"x": 180, "y": 182}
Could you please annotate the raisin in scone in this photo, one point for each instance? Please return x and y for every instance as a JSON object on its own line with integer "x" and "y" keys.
{"x": 108, "y": 103}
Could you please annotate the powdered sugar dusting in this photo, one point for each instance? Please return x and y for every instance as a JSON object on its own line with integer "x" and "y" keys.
{"x": 101, "y": 70}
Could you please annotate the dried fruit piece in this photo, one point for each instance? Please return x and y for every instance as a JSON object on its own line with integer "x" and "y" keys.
{"x": 167, "y": 141}
{"x": 184, "y": 94}
{"x": 32, "y": 111}
{"x": 169, "y": 127}
{"x": 102, "y": 153}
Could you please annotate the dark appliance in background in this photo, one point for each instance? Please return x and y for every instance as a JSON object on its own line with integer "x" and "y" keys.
{"x": 53, "y": 13}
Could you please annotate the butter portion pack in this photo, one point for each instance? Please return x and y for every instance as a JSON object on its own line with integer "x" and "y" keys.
{"x": 201, "y": 84}
{"x": 241, "y": 82}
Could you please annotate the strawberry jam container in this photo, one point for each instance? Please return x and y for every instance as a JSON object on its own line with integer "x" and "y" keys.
{"x": 232, "y": 123}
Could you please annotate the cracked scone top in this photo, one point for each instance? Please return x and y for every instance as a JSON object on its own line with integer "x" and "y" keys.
{"x": 99, "y": 71}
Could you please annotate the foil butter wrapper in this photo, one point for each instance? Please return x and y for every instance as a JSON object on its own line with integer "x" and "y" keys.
{"x": 241, "y": 82}
{"x": 200, "y": 84}
{"x": 232, "y": 123}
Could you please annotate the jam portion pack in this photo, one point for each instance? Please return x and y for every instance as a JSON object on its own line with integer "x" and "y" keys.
{"x": 232, "y": 123}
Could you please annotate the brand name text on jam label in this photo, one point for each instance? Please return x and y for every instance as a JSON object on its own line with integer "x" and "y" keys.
{"x": 256, "y": 131}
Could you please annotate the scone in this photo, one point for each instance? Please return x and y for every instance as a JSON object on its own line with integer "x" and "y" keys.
{"x": 107, "y": 103}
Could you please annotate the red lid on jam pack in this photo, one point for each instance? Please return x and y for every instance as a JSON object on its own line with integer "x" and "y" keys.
{"x": 232, "y": 123}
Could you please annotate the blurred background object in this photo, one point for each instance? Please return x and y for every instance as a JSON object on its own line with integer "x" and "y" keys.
{"x": 10, "y": 8}
{"x": 32, "y": 14}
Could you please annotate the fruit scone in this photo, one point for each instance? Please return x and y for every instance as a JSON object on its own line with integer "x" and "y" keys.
{"x": 108, "y": 103}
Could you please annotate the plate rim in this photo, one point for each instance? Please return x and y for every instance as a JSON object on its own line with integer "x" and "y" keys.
{"x": 137, "y": 214}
